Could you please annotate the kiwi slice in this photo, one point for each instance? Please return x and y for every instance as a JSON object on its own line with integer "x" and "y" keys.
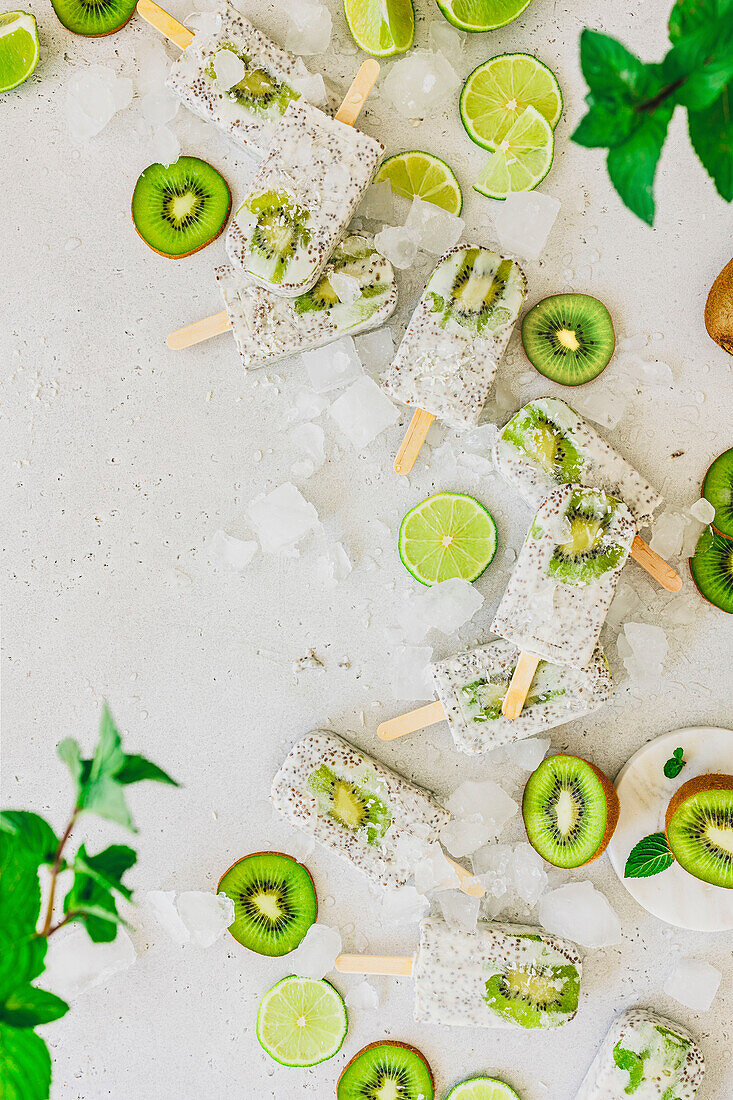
{"x": 258, "y": 89}
{"x": 662, "y": 1048}
{"x": 538, "y": 995}
{"x": 354, "y": 257}
{"x": 588, "y": 550}
{"x": 712, "y": 569}
{"x": 718, "y": 489}
{"x": 482, "y": 699}
{"x": 570, "y": 811}
{"x": 569, "y": 338}
{"x": 487, "y": 292}
{"x": 93, "y": 18}
{"x": 181, "y": 208}
{"x": 279, "y": 230}
{"x": 353, "y": 806}
{"x": 386, "y": 1071}
{"x": 699, "y": 828}
{"x": 274, "y": 902}
{"x": 534, "y": 432}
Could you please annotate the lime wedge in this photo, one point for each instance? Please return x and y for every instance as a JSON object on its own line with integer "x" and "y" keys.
{"x": 18, "y": 48}
{"x": 301, "y": 1021}
{"x": 497, "y": 92}
{"x": 415, "y": 174}
{"x": 481, "y": 15}
{"x": 447, "y": 535}
{"x": 381, "y": 27}
{"x": 482, "y": 1088}
{"x": 522, "y": 158}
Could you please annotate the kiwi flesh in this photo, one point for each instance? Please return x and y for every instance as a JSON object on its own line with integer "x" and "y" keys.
{"x": 386, "y": 1071}
{"x": 534, "y": 432}
{"x": 180, "y": 208}
{"x": 94, "y": 18}
{"x": 569, "y": 338}
{"x": 719, "y": 309}
{"x": 718, "y": 489}
{"x": 570, "y": 811}
{"x": 699, "y": 828}
{"x": 587, "y": 550}
{"x": 354, "y": 807}
{"x": 352, "y": 257}
{"x": 258, "y": 89}
{"x": 274, "y": 902}
{"x": 486, "y": 292}
{"x": 663, "y": 1048}
{"x": 538, "y": 995}
{"x": 712, "y": 569}
{"x": 483, "y": 698}
{"x": 279, "y": 230}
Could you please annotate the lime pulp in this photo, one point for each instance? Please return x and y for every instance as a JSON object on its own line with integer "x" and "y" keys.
{"x": 301, "y": 1021}
{"x": 381, "y": 27}
{"x": 448, "y": 535}
{"x": 522, "y": 159}
{"x": 481, "y": 15}
{"x": 496, "y": 93}
{"x": 19, "y": 48}
{"x": 415, "y": 174}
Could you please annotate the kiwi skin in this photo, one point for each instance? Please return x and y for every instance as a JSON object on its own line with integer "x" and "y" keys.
{"x": 389, "y": 1043}
{"x": 719, "y": 309}
{"x": 613, "y": 808}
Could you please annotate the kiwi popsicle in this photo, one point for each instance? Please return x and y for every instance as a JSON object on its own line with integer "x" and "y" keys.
{"x": 647, "y": 1056}
{"x": 267, "y": 328}
{"x": 565, "y": 576}
{"x": 354, "y": 805}
{"x": 269, "y": 78}
{"x": 301, "y": 198}
{"x": 448, "y": 357}
{"x": 547, "y": 444}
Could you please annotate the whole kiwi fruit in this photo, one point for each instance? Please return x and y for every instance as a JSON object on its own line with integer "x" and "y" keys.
{"x": 719, "y": 309}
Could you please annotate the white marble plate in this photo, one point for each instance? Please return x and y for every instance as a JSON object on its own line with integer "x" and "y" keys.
{"x": 644, "y": 792}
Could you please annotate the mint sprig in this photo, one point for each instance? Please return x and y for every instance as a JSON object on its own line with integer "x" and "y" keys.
{"x": 630, "y": 102}
{"x": 675, "y": 764}
{"x": 649, "y": 857}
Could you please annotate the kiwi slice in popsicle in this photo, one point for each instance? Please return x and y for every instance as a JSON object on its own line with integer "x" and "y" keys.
{"x": 180, "y": 208}
{"x": 93, "y": 18}
{"x": 699, "y": 828}
{"x": 390, "y": 1070}
{"x": 569, "y": 338}
{"x": 570, "y": 811}
{"x": 274, "y": 902}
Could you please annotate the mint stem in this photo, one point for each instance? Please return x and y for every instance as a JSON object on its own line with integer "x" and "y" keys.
{"x": 47, "y": 930}
{"x": 659, "y": 98}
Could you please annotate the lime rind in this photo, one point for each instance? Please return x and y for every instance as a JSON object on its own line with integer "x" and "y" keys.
{"x": 516, "y": 79}
{"x": 417, "y": 174}
{"x": 482, "y": 1088}
{"x": 482, "y": 15}
{"x": 449, "y": 535}
{"x": 381, "y": 28}
{"x": 19, "y": 48}
{"x": 521, "y": 161}
{"x": 286, "y": 1039}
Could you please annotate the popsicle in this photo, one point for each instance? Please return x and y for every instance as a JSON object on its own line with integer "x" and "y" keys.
{"x": 265, "y": 78}
{"x": 304, "y": 193}
{"x": 471, "y": 688}
{"x": 358, "y": 808}
{"x": 547, "y": 444}
{"x": 267, "y": 327}
{"x": 647, "y": 1057}
{"x": 501, "y": 975}
{"x": 563, "y": 582}
{"x": 448, "y": 357}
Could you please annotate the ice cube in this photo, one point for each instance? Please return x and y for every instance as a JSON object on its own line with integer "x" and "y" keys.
{"x": 308, "y": 405}
{"x": 646, "y": 653}
{"x": 434, "y": 872}
{"x": 418, "y": 83}
{"x": 164, "y": 146}
{"x": 162, "y": 904}
{"x": 159, "y": 106}
{"x": 681, "y": 611}
{"x": 492, "y": 865}
{"x": 229, "y": 69}
{"x": 476, "y": 446}
{"x": 693, "y": 983}
{"x": 445, "y": 39}
{"x": 602, "y": 405}
{"x": 334, "y": 566}
{"x": 231, "y": 551}
{"x": 310, "y": 441}
{"x": 703, "y": 511}
{"x": 624, "y": 604}
{"x": 152, "y": 65}
{"x": 316, "y": 955}
{"x": 378, "y": 202}
{"x": 523, "y": 222}
{"x": 411, "y": 674}
{"x": 74, "y": 964}
{"x": 437, "y": 229}
{"x": 309, "y": 28}
{"x": 529, "y": 877}
{"x": 333, "y": 366}
{"x": 363, "y": 412}
{"x": 363, "y": 997}
{"x": 446, "y": 606}
{"x": 346, "y": 287}
{"x": 282, "y": 518}
{"x": 399, "y": 244}
{"x": 404, "y": 905}
{"x": 459, "y": 910}
{"x": 526, "y": 754}
{"x": 93, "y": 96}
{"x": 581, "y": 913}
{"x": 375, "y": 349}
{"x": 205, "y": 916}
{"x": 667, "y": 534}
{"x": 482, "y": 799}
{"x": 311, "y": 86}
{"x": 463, "y": 837}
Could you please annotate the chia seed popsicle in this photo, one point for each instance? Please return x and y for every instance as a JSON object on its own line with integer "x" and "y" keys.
{"x": 647, "y": 1057}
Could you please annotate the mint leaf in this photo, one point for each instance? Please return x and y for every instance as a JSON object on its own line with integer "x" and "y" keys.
{"x": 675, "y": 764}
{"x": 137, "y": 768}
{"x": 32, "y": 833}
{"x": 108, "y": 867}
{"x": 21, "y": 960}
{"x": 29, "y": 1007}
{"x": 632, "y": 166}
{"x": 25, "y": 1065}
{"x": 711, "y": 134}
{"x": 20, "y": 891}
{"x": 650, "y": 856}
{"x": 700, "y": 64}
{"x": 90, "y": 898}
{"x": 69, "y": 752}
{"x": 688, "y": 16}
{"x": 610, "y": 69}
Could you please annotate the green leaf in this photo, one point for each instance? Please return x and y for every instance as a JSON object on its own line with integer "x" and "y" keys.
{"x": 31, "y": 832}
{"x": 632, "y": 166}
{"x": 650, "y": 856}
{"x": 20, "y": 891}
{"x": 136, "y": 768}
{"x": 711, "y": 134}
{"x": 29, "y": 1007}
{"x": 675, "y": 764}
{"x": 607, "y": 123}
{"x": 610, "y": 70}
{"x": 108, "y": 867}
{"x": 90, "y": 898}
{"x": 69, "y": 752}
{"x": 688, "y": 16}
{"x": 701, "y": 64}
{"x": 25, "y": 1065}
{"x": 21, "y": 960}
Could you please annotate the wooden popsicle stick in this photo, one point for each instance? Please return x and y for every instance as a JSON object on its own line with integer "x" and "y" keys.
{"x": 655, "y": 566}
{"x": 356, "y": 96}
{"x": 401, "y": 966}
{"x": 467, "y": 882}
{"x": 520, "y": 685}
{"x": 169, "y": 27}
{"x": 198, "y": 331}
{"x": 409, "y": 723}
{"x": 413, "y": 441}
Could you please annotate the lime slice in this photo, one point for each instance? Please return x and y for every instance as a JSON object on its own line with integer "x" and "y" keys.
{"x": 18, "y": 48}
{"x": 522, "y": 159}
{"x": 415, "y": 174}
{"x": 448, "y": 535}
{"x": 301, "y": 1021}
{"x": 482, "y": 1088}
{"x": 481, "y": 15}
{"x": 381, "y": 27}
{"x": 497, "y": 92}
